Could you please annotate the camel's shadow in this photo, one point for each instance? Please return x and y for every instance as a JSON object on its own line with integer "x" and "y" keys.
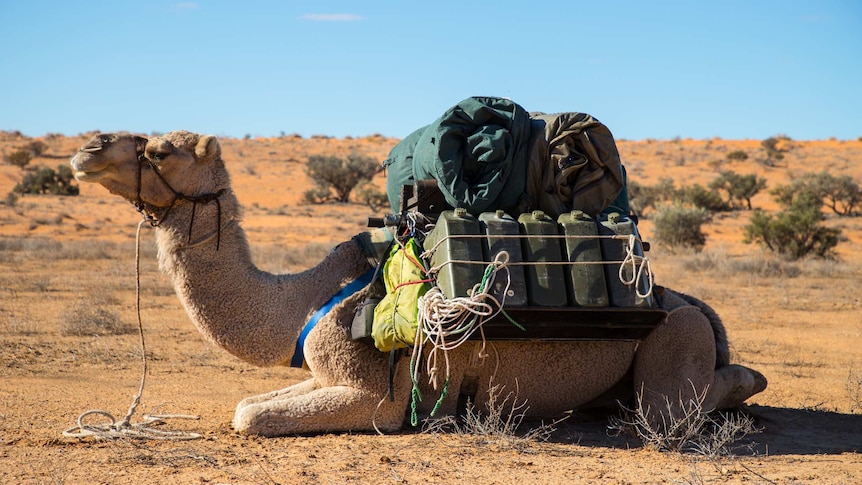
{"x": 784, "y": 431}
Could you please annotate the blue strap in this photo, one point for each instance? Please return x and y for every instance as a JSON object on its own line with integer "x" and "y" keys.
{"x": 354, "y": 286}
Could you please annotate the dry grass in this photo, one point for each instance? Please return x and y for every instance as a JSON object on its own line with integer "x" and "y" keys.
{"x": 498, "y": 424}
{"x": 29, "y": 248}
{"x": 685, "y": 427}
{"x": 93, "y": 318}
{"x": 720, "y": 263}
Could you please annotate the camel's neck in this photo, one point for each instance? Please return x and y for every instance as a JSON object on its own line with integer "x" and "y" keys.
{"x": 254, "y": 315}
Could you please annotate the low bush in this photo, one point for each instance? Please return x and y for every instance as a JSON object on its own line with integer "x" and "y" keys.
{"x": 19, "y": 158}
{"x": 841, "y": 194}
{"x": 372, "y": 197}
{"x": 643, "y": 197}
{"x": 93, "y": 319}
{"x": 739, "y": 188}
{"x": 498, "y": 424}
{"x": 47, "y": 181}
{"x": 692, "y": 429}
{"x": 340, "y": 175}
{"x": 680, "y": 226}
{"x": 796, "y": 232}
{"x": 702, "y": 197}
{"x": 737, "y": 155}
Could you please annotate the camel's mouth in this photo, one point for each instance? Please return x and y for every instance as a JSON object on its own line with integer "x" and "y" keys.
{"x": 83, "y": 168}
{"x": 88, "y": 176}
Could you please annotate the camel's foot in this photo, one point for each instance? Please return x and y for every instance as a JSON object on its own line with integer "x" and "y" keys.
{"x": 322, "y": 410}
{"x": 734, "y": 384}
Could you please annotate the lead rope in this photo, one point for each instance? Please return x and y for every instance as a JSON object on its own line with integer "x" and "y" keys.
{"x": 124, "y": 428}
{"x": 641, "y": 269}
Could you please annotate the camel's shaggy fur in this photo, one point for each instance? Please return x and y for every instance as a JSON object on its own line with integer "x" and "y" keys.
{"x": 257, "y": 316}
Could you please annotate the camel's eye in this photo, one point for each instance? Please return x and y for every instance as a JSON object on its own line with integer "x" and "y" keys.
{"x": 158, "y": 156}
{"x": 104, "y": 139}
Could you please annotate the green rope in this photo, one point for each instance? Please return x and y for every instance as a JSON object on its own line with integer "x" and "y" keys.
{"x": 415, "y": 394}
{"x": 442, "y": 396}
{"x": 488, "y": 272}
{"x": 512, "y": 320}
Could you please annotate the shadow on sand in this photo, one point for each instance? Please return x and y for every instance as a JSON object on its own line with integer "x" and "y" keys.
{"x": 785, "y": 431}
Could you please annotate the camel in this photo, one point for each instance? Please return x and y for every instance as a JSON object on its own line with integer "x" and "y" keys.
{"x": 180, "y": 182}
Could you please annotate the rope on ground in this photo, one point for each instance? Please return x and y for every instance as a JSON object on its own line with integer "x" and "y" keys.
{"x": 124, "y": 428}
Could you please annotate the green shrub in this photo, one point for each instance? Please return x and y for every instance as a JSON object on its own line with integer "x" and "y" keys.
{"x": 371, "y": 196}
{"x": 317, "y": 195}
{"x": 739, "y": 188}
{"x": 773, "y": 153}
{"x": 680, "y": 226}
{"x": 841, "y": 194}
{"x": 737, "y": 155}
{"x": 699, "y": 196}
{"x": 341, "y": 175}
{"x": 46, "y": 181}
{"x": 19, "y": 158}
{"x": 642, "y": 197}
{"x": 796, "y": 232}
{"x": 36, "y": 148}
{"x": 11, "y": 199}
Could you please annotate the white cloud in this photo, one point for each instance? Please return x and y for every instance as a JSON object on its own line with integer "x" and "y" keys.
{"x": 333, "y": 17}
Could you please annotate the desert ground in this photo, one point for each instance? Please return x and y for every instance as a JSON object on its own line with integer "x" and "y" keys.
{"x": 64, "y": 260}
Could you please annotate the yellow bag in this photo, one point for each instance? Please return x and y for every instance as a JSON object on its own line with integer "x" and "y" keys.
{"x": 395, "y": 317}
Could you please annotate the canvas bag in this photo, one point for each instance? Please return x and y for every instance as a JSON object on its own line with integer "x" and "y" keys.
{"x": 396, "y": 316}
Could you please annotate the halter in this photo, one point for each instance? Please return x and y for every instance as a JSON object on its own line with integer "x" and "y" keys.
{"x": 149, "y": 214}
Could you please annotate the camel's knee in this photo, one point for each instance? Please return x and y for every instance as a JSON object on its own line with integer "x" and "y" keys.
{"x": 250, "y": 419}
{"x": 676, "y": 355}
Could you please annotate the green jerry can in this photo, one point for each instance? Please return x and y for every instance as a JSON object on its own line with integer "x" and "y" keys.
{"x": 585, "y": 272}
{"x": 502, "y": 233}
{"x": 546, "y": 284}
{"x": 614, "y": 251}
{"x": 455, "y": 279}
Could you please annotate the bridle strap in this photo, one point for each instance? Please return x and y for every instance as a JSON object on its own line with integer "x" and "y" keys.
{"x": 149, "y": 215}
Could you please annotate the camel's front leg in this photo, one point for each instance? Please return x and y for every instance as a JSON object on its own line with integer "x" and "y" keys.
{"x": 675, "y": 364}
{"x": 322, "y": 410}
{"x": 303, "y": 387}
{"x": 675, "y": 367}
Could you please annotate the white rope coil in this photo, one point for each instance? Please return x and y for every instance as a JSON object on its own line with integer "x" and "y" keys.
{"x": 640, "y": 268}
{"x": 123, "y": 429}
{"x": 446, "y": 323}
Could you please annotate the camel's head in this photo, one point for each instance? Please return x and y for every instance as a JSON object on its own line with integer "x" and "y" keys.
{"x": 152, "y": 171}
{"x": 107, "y": 157}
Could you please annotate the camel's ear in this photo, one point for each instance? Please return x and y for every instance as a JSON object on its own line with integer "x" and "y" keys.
{"x": 140, "y": 144}
{"x": 208, "y": 148}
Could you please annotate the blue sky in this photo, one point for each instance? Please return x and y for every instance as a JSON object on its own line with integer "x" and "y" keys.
{"x": 647, "y": 69}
